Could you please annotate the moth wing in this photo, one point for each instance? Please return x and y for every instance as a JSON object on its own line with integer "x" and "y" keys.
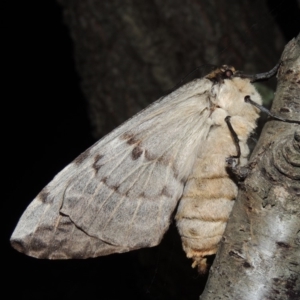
{"x": 120, "y": 193}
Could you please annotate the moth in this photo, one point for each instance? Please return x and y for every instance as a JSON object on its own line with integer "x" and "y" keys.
{"x": 120, "y": 194}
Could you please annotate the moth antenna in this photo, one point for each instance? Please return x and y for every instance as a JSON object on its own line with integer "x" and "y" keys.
{"x": 261, "y": 76}
{"x": 235, "y": 138}
{"x": 265, "y": 110}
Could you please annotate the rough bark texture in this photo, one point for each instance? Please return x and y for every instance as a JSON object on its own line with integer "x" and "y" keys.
{"x": 259, "y": 256}
{"x": 129, "y": 53}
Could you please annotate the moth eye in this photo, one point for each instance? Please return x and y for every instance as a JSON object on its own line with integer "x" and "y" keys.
{"x": 228, "y": 73}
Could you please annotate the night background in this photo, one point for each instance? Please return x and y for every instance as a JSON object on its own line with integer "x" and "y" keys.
{"x": 48, "y": 122}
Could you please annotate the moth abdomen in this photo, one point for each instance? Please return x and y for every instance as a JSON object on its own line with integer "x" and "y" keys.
{"x": 201, "y": 219}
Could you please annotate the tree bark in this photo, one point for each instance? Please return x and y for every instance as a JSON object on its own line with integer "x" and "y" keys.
{"x": 260, "y": 251}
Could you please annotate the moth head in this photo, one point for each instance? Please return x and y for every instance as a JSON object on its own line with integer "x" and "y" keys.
{"x": 220, "y": 74}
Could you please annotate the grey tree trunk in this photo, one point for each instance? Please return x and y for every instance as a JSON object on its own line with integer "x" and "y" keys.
{"x": 260, "y": 254}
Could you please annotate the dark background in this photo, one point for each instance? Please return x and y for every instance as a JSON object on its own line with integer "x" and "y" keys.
{"x": 45, "y": 127}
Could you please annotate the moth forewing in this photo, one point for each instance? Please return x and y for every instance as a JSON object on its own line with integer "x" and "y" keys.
{"x": 120, "y": 194}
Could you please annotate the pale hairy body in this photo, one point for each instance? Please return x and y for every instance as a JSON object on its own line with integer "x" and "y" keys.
{"x": 120, "y": 194}
{"x": 209, "y": 192}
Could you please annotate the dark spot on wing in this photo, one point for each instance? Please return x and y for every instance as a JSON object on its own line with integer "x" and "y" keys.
{"x": 136, "y": 152}
{"x": 98, "y": 157}
{"x": 39, "y": 246}
{"x": 165, "y": 192}
{"x": 164, "y": 160}
{"x": 45, "y": 229}
{"x": 43, "y": 196}
{"x": 246, "y": 265}
{"x": 127, "y": 136}
{"x": 115, "y": 187}
{"x": 149, "y": 156}
{"x": 96, "y": 165}
{"x": 82, "y": 157}
{"x": 131, "y": 139}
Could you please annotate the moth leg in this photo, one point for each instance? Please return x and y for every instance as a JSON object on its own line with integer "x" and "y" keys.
{"x": 265, "y": 110}
{"x": 235, "y": 139}
{"x": 233, "y": 161}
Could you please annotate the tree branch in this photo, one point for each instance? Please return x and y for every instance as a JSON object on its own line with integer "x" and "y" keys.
{"x": 259, "y": 255}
